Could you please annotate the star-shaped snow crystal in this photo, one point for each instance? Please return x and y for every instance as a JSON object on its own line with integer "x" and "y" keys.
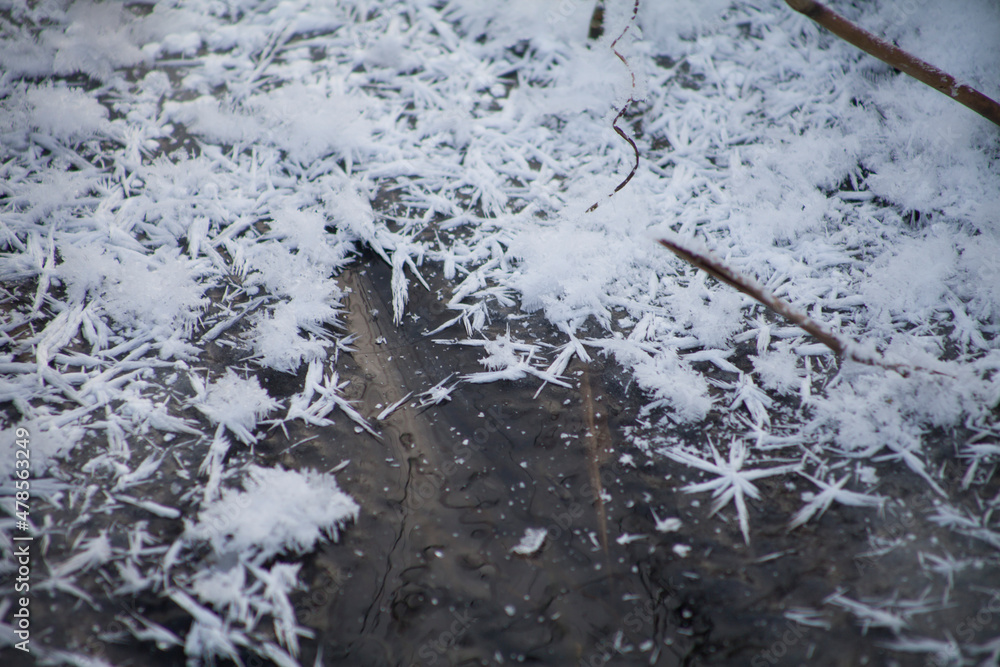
{"x": 733, "y": 484}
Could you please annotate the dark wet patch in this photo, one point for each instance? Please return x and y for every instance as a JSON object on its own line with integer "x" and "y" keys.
{"x": 427, "y": 575}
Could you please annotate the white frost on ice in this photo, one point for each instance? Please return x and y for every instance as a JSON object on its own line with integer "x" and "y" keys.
{"x": 236, "y": 403}
{"x": 277, "y": 511}
{"x": 733, "y": 483}
{"x": 668, "y": 524}
{"x": 531, "y": 542}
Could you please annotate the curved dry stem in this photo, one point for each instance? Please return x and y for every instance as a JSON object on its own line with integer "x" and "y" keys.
{"x": 624, "y": 109}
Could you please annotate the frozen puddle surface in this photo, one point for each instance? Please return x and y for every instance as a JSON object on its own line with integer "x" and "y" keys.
{"x": 312, "y": 353}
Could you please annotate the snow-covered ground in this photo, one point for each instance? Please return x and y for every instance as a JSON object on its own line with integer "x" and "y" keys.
{"x": 186, "y": 174}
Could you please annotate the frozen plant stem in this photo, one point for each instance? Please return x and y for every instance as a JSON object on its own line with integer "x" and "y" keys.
{"x": 723, "y": 273}
{"x": 628, "y": 102}
{"x": 898, "y": 58}
{"x": 841, "y": 346}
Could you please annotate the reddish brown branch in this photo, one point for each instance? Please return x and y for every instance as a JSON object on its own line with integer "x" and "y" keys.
{"x": 723, "y": 273}
{"x": 898, "y": 58}
{"x": 841, "y": 346}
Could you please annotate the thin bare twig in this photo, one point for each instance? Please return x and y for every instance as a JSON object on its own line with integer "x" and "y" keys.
{"x": 843, "y": 347}
{"x": 624, "y": 109}
{"x": 898, "y": 58}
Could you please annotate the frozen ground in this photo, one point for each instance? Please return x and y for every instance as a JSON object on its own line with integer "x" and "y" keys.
{"x": 191, "y": 192}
